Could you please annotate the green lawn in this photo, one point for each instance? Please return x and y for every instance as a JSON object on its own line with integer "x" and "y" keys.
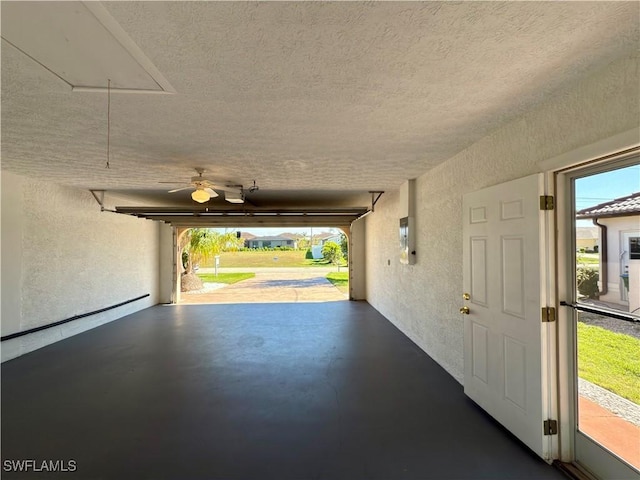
{"x": 611, "y": 360}
{"x": 588, "y": 258}
{"x": 340, "y": 280}
{"x": 225, "y": 277}
{"x": 259, "y": 258}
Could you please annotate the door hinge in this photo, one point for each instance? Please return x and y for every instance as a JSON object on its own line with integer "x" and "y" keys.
{"x": 550, "y": 427}
{"x": 547, "y": 202}
{"x": 548, "y": 314}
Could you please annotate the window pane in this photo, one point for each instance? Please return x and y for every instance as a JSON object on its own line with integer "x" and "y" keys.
{"x": 607, "y": 252}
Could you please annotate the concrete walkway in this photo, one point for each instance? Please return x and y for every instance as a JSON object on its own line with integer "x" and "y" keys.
{"x": 611, "y": 420}
{"x": 273, "y": 285}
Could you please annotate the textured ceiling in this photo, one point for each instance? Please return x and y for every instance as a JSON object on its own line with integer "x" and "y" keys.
{"x": 316, "y": 101}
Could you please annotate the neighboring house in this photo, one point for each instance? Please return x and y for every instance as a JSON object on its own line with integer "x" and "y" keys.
{"x": 271, "y": 242}
{"x": 320, "y": 239}
{"x": 587, "y": 239}
{"x": 619, "y": 231}
{"x": 292, "y": 236}
{"x": 246, "y": 236}
{"x": 324, "y": 237}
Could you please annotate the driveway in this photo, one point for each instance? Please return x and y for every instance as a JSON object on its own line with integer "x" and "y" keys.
{"x": 270, "y": 286}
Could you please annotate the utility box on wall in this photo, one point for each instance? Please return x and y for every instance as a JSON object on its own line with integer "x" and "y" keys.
{"x": 407, "y": 223}
{"x": 407, "y": 242}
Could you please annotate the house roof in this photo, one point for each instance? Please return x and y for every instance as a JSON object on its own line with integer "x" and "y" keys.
{"x": 271, "y": 238}
{"x": 629, "y": 205}
{"x": 291, "y": 236}
{"x": 324, "y": 235}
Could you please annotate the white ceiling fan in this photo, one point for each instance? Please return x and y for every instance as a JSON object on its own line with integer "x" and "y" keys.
{"x": 205, "y": 189}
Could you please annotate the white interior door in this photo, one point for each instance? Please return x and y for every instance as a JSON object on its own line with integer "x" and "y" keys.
{"x": 504, "y": 336}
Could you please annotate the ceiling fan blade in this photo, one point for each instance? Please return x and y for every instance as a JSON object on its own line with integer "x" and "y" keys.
{"x": 179, "y": 189}
{"x": 226, "y": 188}
{"x": 212, "y": 193}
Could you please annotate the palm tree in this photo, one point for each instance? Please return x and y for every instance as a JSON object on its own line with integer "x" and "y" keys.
{"x": 200, "y": 245}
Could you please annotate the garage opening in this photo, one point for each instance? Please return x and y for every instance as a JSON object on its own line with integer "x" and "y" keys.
{"x": 256, "y": 220}
{"x": 262, "y": 265}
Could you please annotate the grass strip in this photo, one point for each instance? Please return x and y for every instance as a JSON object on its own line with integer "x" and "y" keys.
{"x": 610, "y": 360}
{"x": 225, "y": 277}
{"x": 340, "y": 280}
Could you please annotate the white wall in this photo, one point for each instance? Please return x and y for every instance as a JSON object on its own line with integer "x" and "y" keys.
{"x": 62, "y": 257}
{"x": 616, "y": 228}
{"x": 423, "y": 299}
{"x": 357, "y": 261}
{"x": 166, "y": 261}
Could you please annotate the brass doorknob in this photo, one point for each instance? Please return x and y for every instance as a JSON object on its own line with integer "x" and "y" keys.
{"x": 464, "y": 310}
{"x": 466, "y": 296}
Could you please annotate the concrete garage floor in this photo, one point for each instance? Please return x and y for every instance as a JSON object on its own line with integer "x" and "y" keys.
{"x": 255, "y": 391}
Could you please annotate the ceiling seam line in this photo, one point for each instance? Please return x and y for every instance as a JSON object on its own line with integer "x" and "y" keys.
{"x": 39, "y": 63}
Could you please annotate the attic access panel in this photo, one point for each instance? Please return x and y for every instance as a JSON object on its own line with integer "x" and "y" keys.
{"x": 82, "y": 44}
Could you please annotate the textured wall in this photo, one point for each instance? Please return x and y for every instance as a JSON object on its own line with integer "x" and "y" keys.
{"x": 423, "y": 299}
{"x": 62, "y": 257}
{"x": 357, "y": 261}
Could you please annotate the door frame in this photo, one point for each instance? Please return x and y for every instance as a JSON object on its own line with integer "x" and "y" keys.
{"x": 558, "y": 170}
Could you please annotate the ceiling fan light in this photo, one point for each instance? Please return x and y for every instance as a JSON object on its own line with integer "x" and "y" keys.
{"x": 200, "y": 196}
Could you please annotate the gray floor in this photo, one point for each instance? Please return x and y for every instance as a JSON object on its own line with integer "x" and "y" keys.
{"x": 255, "y": 391}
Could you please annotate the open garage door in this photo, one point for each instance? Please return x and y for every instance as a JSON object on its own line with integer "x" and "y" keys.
{"x": 263, "y": 265}
{"x": 243, "y": 218}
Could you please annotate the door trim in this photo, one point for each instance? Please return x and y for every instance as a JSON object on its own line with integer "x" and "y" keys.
{"x": 564, "y": 260}
{"x": 595, "y": 152}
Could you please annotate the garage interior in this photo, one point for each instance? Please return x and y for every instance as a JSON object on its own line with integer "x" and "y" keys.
{"x": 354, "y": 114}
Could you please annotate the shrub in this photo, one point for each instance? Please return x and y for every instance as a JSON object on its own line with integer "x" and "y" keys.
{"x": 587, "y": 281}
{"x": 332, "y": 252}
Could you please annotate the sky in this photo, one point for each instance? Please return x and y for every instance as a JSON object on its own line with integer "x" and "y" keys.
{"x": 603, "y": 187}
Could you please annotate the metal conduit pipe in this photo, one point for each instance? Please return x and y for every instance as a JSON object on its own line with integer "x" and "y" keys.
{"x": 603, "y": 257}
{"x": 70, "y": 319}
